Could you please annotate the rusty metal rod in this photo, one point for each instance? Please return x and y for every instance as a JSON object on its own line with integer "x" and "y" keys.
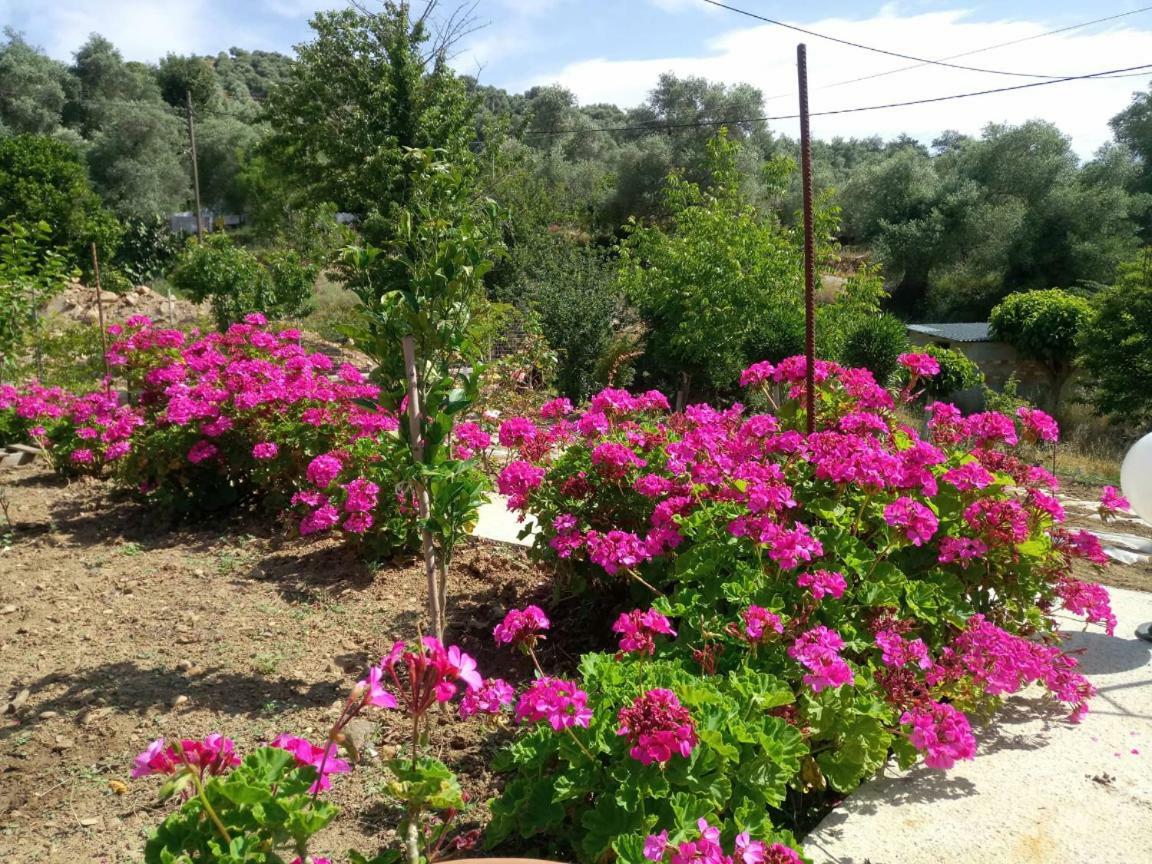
{"x": 809, "y": 245}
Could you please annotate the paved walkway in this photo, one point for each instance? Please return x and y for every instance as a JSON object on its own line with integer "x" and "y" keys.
{"x": 495, "y": 521}
{"x": 1040, "y": 791}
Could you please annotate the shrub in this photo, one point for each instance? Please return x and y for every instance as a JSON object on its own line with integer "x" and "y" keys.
{"x": 244, "y": 415}
{"x": 236, "y": 282}
{"x": 1044, "y": 326}
{"x": 31, "y": 273}
{"x": 1117, "y": 347}
{"x": 874, "y": 344}
{"x": 147, "y": 250}
{"x": 811, "y": 602}
{"x": 956, "y": 373}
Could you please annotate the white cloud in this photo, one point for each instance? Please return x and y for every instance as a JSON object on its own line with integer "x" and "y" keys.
{"x": 764, "y": 56}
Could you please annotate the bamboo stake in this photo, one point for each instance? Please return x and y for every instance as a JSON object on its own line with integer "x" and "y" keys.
{"x": 100, "y": 317}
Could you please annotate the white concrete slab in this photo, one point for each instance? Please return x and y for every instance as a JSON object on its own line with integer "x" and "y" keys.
{"x": 1040, "y": 791}
{"x": 496, "y": 522}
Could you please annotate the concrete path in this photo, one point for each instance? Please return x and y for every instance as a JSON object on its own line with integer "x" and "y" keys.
{"x": 1040, "y": 791}
{"x": 496, "y": 522}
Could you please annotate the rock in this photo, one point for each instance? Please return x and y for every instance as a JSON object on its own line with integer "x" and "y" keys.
{"x": 108, "y": 297}
{"x": 15, "y": 460}
{"x": 179, "y": 700}
{"x": 48, "y": 715}
{"x": 129, "y": 300}
{"x": 17, "y": 701}
{"x": 8, "y": 610}
{"x": 90, "y": 821}
{"x": 26, "y": 448}
{"x": 63, "y": 742}
{"x": 360, "y": 733}
{"x": 185, "y": 665}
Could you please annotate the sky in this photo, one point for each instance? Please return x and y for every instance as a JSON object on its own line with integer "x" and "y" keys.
{"x": 614, "y": 50}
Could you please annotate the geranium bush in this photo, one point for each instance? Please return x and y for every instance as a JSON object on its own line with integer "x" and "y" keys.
{"x": 808, "y": 603}
{"x": 243, "y": 415}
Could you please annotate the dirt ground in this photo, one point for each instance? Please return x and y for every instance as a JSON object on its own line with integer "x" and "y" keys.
{"x": 123, "y": 629}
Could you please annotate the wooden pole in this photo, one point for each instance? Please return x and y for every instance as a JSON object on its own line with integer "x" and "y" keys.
{"x": 195, "y": 166}
{"x": 424, "y": 504}
{"x": 100, "y": 317}
{"x": 809, "y": 244}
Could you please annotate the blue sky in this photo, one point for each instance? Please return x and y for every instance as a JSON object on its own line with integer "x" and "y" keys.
{"x": 613, "y": 50}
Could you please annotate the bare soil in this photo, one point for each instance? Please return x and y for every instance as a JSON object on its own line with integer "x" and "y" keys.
{"x": 123, "y": 628}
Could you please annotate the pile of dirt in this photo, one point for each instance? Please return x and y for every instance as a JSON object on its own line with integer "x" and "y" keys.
{"x": 78, "y": 303}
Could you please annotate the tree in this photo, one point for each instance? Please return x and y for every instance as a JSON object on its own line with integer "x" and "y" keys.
{"x": 178, "y": 76}
{"x": 1133, "y": 130}
{"x": 1117, "y": 347}
{"x": 33, "y": 87}
{"x": 368, "y": 87}
{"x": 43, "y": 180}
{"x": 1044, "y": 326}
{"x": 137, "y": 160}
{"x": 702, "y": 284}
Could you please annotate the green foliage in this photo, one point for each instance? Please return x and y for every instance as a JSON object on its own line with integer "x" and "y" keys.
{"x": 1117, "y": 347}
{"x": 395, "y": 91}
{"x": 1007, "y": 399}
{"x": 31, "y": 272}
{"x": 263, "y": 809}
{"x": 695, "y": 283}
{"x": 278, "y": 284}
{"x": 43, "y": 180}
{"x": 35, "y": 88}
{"x": 874, "y": 344}
{"x": 137, "y": 159}
{"x": 573, "y": 288}
{"x": 148, "y": 249}
{"x": 1044, "y": 326}
{"x": 179, "y": 76}
{"x": 579, "y": 807}
{"x": 957, "y": 373}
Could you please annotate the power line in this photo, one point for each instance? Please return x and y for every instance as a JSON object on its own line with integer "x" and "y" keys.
{"x": 981, "y": 50}
{"x": 919, "y": 61}
{"x": 650, "y": 127}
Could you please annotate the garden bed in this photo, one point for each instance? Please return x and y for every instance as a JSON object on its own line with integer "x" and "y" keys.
{"x": 118, "y": 617}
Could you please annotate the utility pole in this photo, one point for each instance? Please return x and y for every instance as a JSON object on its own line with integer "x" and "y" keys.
{"x": 809, "y": 244}
{"x": 195, "y": 167}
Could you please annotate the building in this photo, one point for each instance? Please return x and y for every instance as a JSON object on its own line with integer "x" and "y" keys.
{"x": 997, "y": 360}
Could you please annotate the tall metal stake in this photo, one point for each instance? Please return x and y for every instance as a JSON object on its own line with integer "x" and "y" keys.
{"x": 100, "y": 317}
{"x": 809, "y": 244}
{"x": 195, "y": 166}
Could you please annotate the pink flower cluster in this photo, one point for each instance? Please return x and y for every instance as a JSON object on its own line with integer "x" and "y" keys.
{"x": 521, "y": 627}
{"x": 819, "y": 651}
{"x": 517, "y": 480}
{"x": 915, "y": 519}
{"x": 638, "y": 630}
{"x": 759, "y": 622}
{"x": 922, "y": 365}
{"x": 214, "y": 755}
{"x": 1002, "y": 663}
{"x": 658, "y": 727}
{"x": 823, "y": 583}
{"x": 491, "y": 697}
{"x": 561, "y": 703}
{"x": 469, "y": 440}
{"x": 1087, "y": 599}
{"x": 706, "y": 849}
{"x": 307, "y": 754}
{"x": 897, "y": 652}
{"x": 941, "y": 732}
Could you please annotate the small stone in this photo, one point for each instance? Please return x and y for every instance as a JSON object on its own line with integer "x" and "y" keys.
{"x": 179, "y": 700}
{"x": 63, "y": 742}
{"x": 8, "y": 610}
{"x": 90, "y": 821}
{"x": 198, "y": 572}
{"x": 48, "y": 715}
{"x": 184, "y": 665}
{"x": 17, "y": 701}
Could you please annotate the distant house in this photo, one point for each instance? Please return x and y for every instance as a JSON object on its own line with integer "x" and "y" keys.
{"x": 185, "y": 223}
{"x": 997, "y": 360}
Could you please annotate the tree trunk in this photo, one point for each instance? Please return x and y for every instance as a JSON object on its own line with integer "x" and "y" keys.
{"x": 431, "y": 568}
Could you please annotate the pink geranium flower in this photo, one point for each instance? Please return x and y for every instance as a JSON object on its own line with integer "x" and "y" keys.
{"x": 658, "y": 726}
